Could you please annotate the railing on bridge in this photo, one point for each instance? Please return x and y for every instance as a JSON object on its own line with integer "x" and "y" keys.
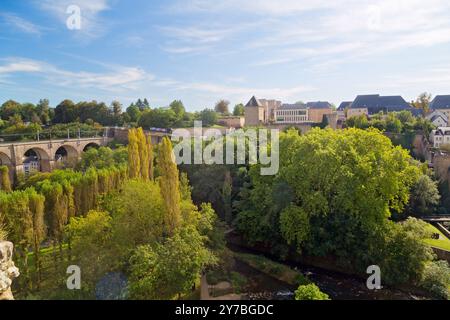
{"x": 50, "y": 134}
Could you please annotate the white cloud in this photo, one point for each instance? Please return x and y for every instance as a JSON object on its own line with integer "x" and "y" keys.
{"x": 20, "y": 65}
{"x": 259, "y": 7}
{"x": 185, "y": 50}
{"x": 199, "y": 38}
{"x": 344, "y": 30}
{"x": 113, "y": 79}
{"x": 201, "y": 35}
{"x": 21, "y": 24}
{"x": 126, "y": 80}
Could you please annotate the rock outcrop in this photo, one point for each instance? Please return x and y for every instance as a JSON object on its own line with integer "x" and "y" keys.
{"x": 8, "y": 271}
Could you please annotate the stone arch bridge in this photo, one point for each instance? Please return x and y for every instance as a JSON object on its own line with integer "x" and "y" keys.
{"x": 45, "y": 156}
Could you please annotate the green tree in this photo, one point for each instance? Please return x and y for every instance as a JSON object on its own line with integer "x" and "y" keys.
{"x": 436, "y": 279}
{"x": 423, "y": 102}
{"x": 116, "y": 108}
{"x": 339, "y": 190}
{"x": 222, "y": 107}
{"x": 103, "y": 157}
{"x": 185, "y": 188}
{"x": 65, "y": 112}
{"x": 43, "y": 111}
{"x": 238, "y": 110}
{"x": 208, "y": 117}
{"x": 399, "y": 250}
{"x": 36, "y": 203}
{"x": 15, "y": 210}
{"x": 360, "y": 122}
{"x": 158, "y": 118}
{"x": 138, "y": 212}
{"x": 424, "y": 196}
{"x": 90, "y": 238}
{"x": 163, "y": 271}
{"x": 169, "y": 184}
{"x": 133, "y": 113}
{"x": 150, "y": 158}
{"x": 9, "y": 109}
{"x": 134, "y": 164}
{"x": 393, "y": 124}
{"x": 178, "y": 108}
{"x": 5, "y": 182}
{"x": 143, "y": 151}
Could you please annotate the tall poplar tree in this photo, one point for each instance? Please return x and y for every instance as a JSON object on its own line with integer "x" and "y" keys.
{"x": 143, "y": 154}
{"x": 133, "y": 154}
{"x": 169, "y": 185}
{"x": 36, "y": 203}
{"x": 5, "y": 183}
{"x": 150, "y": 158}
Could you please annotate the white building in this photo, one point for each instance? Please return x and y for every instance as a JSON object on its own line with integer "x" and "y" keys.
{"x": 440, "y": 136}
{"x": 438, "y": 118}
{"x": 292, "y": 114}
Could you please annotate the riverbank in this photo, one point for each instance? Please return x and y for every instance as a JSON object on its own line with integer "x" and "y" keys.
{"x": 330, "y": 279}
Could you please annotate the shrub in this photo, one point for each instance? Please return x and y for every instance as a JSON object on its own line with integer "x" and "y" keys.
{"x": 436, "y": 279}
{"x": 239, "y": 281}
{"x": 310, "y": 292}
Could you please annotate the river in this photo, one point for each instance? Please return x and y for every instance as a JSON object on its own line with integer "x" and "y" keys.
{"x": 337, "y": 285}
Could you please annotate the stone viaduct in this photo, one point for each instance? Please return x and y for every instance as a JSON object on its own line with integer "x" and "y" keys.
{"x": 46, "y": 155}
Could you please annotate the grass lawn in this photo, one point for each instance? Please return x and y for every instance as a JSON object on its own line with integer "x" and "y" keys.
{"x": 442, "y": 243}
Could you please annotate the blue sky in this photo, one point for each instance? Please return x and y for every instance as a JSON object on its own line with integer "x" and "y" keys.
{"x": 201, "y": 51}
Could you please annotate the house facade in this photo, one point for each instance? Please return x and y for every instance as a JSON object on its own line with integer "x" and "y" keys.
{"x": 440, "y": 136}
{"x": 264, "y": 112}
{"x": 438, "y": 118}
{"x": 441, "y": 103}
{"x": 319, "y": 109}
{"x": 260, "y": 111}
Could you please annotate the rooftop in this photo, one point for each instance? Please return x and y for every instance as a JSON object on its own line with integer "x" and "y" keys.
{"x": 293, "y": 106}
{"x": 376, "y": 103}
{"x": 319, "y": 105}
{"x": 344, "y": 104}
{"x": 440, "y": 102}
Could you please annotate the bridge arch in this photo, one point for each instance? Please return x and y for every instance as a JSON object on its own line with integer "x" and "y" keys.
{"x": 66, "y": 155}
{"x": 36, "y": 159}
{"x": 5, "y": 160}
{"x": 91, "y": 145}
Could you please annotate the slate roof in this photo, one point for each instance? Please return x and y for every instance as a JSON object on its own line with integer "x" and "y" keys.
{"x": 442, "y": 131}
{"x": 293, "y": 106}
{"x": 318, "y": 105}
{"x": 253, "y": 102}
{"x": 440, "y": 102}
{"x": 344, "y": 105}
{"x": 437, "y": 116}
{"x": 376, "y": 103}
